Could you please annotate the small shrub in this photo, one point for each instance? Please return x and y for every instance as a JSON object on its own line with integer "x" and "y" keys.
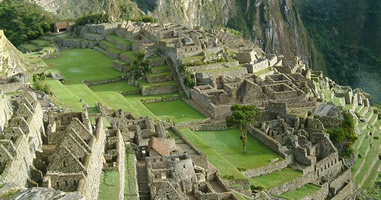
{"x": 148, "y": 18}
{"x": 189, "y": 80}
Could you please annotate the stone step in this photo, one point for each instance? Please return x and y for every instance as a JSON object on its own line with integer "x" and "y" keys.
{"x": 159, "y": 69}
{"x": 159, "y": 77}
{"x": 119, "y": 42}
{"x": 364, "y": 111}
{"x": 121, "y": 66}
{"x": 369, "y": 115}
{"x": 157, "y": 88}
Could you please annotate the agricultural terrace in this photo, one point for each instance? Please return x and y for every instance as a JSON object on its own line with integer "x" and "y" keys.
{"x": 176, "y": 110}
{"x": 82, "y": 64}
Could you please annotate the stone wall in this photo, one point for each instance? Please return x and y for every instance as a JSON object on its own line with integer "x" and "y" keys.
{"x": 5, "y": 110}
{"x": 267, "y": 141}
{"x": 227, "y": 72}
{"x": 199, "y": 158}
{"x": 267, "y": 169}
{"x": 346, "y": 191}
{"x": 322, "y": 193}
{"x": 163, "y": 89}
{"x": 293, "y": 184}
{"x": 97, "y": 82}
{"x": 90, "y": 187}
{"x": 74, "y": 43}
{"x": 12, "y": 87}
{"x": 209, "y": 127}
{"x": 340, "y": 181}
{"x": 213, "y": 66}
{"x": 105, "y": 28}
{"x": 93, "y": 36}
{"x": 192, "y": 123}
{"x": 105, "y": 51}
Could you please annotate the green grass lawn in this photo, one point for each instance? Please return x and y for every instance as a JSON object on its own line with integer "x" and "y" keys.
{"x": 228, "y": 144}
{"x": 158, "y": 74}
{"x": 161, "y": 67}
{"x": 111, "y": 46}
{"x": 263, "y": 71}
{"x": 145, "y": 84}
{"x": 109, "y": 185}
{"x": 82, "y": 64}
{"x": 65, "y": 95}
{"x": 119, "y": 39}
{"x": 177, "y": 110}
{"x": 116, "y": 101}
{"x": 120, "y": 86}
{"x": 299, "y": 193}
{"x": 29, "y": 47}
{"x": 275, "y": 178}
{"x": 130, "y": 175}
{"x": 41, "y": 43}
{"x": 83, "y": 92}
{"x": 132, "y": 55}
{"x": 225, "y": 168}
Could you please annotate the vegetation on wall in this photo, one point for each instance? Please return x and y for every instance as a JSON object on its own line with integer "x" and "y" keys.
{"x": 23, "y": 21}
{"x": 39, "y": 83}
{"x": 345, "y": 136}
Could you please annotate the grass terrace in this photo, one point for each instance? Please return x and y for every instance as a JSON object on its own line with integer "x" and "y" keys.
{"x": 132, "y": 55}
{"x": 82, "y": 64}
{"x": 191, "y": 58}
{"x": 269, "y": 69}
{"x": 83, "y": 92}
{"x": 158, "y": 74}
{"x": 145, "y": 84}
{"x": 161, "y": 67}
{"x": 41, "y": 43}
{"x": 225, "y": 168}
{"x": 111, "y": 46}
{"x": 276, "y": 178}
{"x": 117, "y": 101}
{"x": 228, "y": 144}
{"x": 29, "y": 47}
{"x": 65, "y": 95}
{"x": 119, "y": 86}
{"x": 129, "y": 176}
{"x": 176, "y": 110}
{"x": 119, "y": 39}
{"x": 109, "y": 185}
{"x": 301, "y": 192}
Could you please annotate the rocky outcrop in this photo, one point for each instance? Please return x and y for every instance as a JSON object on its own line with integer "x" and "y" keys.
{"x": 12, "y": 60}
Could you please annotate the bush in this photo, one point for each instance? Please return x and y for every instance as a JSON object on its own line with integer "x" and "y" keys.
{"x": 148, "y": 18}
{"x": 189, "y": 80}
{"x": 22, "y": 21}
{"x": 39, "y": 83}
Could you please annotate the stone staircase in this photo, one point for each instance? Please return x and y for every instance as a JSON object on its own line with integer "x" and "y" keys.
{"x": 158, "y": 81}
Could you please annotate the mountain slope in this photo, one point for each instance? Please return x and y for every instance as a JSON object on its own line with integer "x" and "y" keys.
{"x": 347, "y": 37}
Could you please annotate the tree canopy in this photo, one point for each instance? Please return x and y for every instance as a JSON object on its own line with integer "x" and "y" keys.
{"x": 22, "y": 21}
{"x": 242, "y": 116}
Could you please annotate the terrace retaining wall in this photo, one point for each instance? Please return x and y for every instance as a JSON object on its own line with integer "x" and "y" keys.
{"x": 97, "y": 82}
{"x": 346, "y": 191}
{"x": 267, "y": 169}
{"x": 322, "y": 193}
{"x": 293, "y": 184}
{"x": 162, "y": 89}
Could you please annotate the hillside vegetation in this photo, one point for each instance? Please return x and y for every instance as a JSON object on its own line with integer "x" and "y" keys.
{"x": 22, "y": 21}
{"x": 347, "y": 38}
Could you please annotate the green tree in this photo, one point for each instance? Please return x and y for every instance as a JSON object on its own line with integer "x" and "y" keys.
{"x": 242, "y": 116}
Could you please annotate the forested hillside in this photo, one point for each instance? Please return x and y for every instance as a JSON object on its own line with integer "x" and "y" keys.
{"x": 347, "y": 37}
